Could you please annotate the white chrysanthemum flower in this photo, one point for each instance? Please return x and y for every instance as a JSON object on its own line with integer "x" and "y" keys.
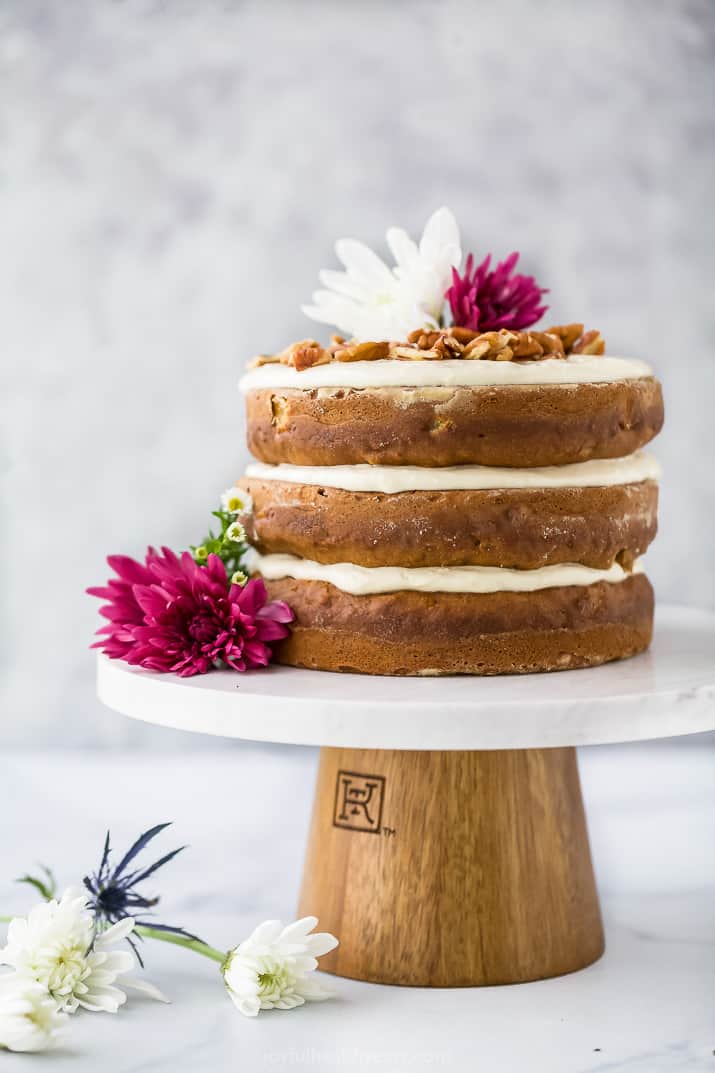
{"x": 427, "y": 269}
{"x": 239, "y": 578}
{"x": 369, "y": 300}
{"x": 56, "y": 946}
{"x": 269, "y": 970}
{"x": 236, "y": 501}
{"x": 236, "y": 532}
{"x": 29, "y": 1019}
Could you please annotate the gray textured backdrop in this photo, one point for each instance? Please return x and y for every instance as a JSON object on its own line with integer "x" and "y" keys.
{"x": 172, "y": 177}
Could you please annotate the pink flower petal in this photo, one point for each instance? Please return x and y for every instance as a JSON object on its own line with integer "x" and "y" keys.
{"x": 486, "y": 301}
{"x": 170, "y": 614}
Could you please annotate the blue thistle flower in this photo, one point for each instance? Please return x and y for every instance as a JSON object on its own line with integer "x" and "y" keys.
{"x": 113, "y": 891}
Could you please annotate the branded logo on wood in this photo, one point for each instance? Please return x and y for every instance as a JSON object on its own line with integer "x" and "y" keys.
{"x": 358, "y": 801}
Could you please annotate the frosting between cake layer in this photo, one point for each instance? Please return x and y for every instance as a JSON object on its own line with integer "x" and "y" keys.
{"x": 364, "y": 581}
{"x": 576, "y": 369}
{"x": 604, "y": 472}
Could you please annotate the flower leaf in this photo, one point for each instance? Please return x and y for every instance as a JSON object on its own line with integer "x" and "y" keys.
{"x": 47, "y": 887}
{"x": 225, "y": 545}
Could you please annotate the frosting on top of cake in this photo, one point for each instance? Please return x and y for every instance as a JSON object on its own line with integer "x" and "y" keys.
{"x": 575, "y": 369}
{"x": 369, "y": 580}
{"x": 600, "y": 472}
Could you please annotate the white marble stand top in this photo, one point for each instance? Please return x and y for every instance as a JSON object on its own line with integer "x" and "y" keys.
{"x": 667, "y": 691}
{"x": 647, "y": 1006}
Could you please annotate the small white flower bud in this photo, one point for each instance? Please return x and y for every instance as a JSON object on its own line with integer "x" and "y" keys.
{"x": 235, "y": 533}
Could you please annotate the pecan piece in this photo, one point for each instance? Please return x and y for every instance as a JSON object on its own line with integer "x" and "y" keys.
{"x": 411, "y": 353}
{"x": 550, "y": 343}
{"x": 476, "y": 349}
{"x": 448, "y": 347}
{"x": 423, "y": 339}
{"x": 590, "y": 343}
{"x": 501, "y": 344}
{"x": 304, "y": 354}
{"x": 464, "y": 335}
{"x": 363, "y": 352}
{"x": 427, "y": 340}
{"x": 279, "y": 412}
{"x": 263, "y": 359}
{"x": 567, "y": 333}
{"x": 528, "y": 346}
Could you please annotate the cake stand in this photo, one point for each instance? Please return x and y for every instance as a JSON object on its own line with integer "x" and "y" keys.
{"x": 448, "y": 844}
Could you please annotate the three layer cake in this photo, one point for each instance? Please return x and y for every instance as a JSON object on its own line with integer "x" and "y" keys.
{"x": 459, "y": 502}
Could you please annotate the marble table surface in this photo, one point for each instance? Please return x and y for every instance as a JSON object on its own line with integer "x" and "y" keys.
{"x": 648, "y": 1005}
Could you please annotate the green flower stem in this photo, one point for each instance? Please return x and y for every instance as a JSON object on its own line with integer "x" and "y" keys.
{"x": 180, "y": 940}
{"x": 168, "y": 937}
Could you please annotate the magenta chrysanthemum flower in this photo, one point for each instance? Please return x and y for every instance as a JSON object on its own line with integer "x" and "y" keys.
{"x": 170, "y": 614}
{"x": 484, "y": 301}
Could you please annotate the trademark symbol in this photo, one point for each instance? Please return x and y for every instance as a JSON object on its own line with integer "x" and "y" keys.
{"x": 389, "y": 832}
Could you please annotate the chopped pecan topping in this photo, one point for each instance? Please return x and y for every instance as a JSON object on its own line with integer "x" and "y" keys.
{"x": 492, "y": 346}
{"x": 426, "y": 340}
{"x": 534, "y": 345}
{"x": 448, "y": 343}
{"x": 306, "y": 353}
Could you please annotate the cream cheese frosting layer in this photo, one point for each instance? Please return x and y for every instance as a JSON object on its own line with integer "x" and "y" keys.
{"x": 366, "y": 581}
{"x": 392, "y": 479}
{"x": 576, "y": 369}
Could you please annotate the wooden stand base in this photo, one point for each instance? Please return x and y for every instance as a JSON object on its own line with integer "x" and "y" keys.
{"x": 452, "y": 869}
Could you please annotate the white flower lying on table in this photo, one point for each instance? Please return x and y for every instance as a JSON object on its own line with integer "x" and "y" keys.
{"x": 63, "y": 960}
{"x": 269, "y": 970}
{"x": 58, "y": 947}
{"x": 29, "y": 1018}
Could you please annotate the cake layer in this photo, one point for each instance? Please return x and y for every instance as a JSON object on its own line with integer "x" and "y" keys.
{"x": 416, "y": 633}
{"x": 525, "y": 528}
{"x": 516, "y": 425}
